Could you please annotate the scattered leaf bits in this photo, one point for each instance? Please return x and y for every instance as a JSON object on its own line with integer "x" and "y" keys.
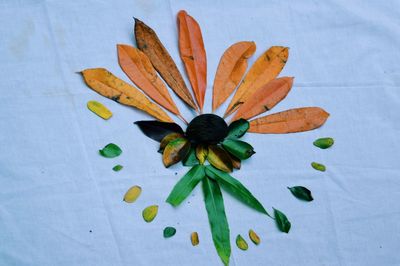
{"x": 111, "y": 150}
{"x": 99, "y": 109}
{"x": 194, "y": 238}
{"x": 324, "y": 143}
{"x": 169, "y": 232}
{"x": 241, "y": 243}
{"x": 132, "y": 194}
{"x": 254, "y": 237}
{"x": 318, "y": 166}
{"x": 149, "y": 213}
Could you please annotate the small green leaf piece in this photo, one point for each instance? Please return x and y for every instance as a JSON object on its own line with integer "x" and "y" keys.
{"x": 323, "y": 143}
{"x": 132, "y": 194}
{"x": 254, "y": 237}
{"x": 318, "y": 166}
{"x": 217, "y": 218}
{"x": 201, "y": 153}
{"x": 117, "y": 168}
{"x": 238, "y": 148}
{"x": 301, "y": 193}
{"x": 238, "y": 128}
{"x": 185, "y": 186}
{"x": 241, "y": 243}
{"x": 110, "y": 151}
{"x": 219, "y": 158}
{"x": 234, "y": 187}
{"x": 175, "y": 151}
{"x": 282, "y": 221}
{"x": 190, "y": 159}
{"x": 99, "y": 109}
{"x": 169, "y": 232}
{"x": 149, "y": 213}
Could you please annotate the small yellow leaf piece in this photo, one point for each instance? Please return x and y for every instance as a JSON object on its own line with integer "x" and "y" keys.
{"x": 132, "y": 194}
{"x": 201, "y": 153}
{"x": 219, "y": 158}
{"x": 168, "y": 138}
{"x": 108, "y": 85}
{"x": 99, "y": 109}
{"x": 254, "y": 237}
{"x": 194, "y": 238}
{"x": 175, "y": 151}
{"x": 241, "y": 243}
{"x": 150, "y": 213}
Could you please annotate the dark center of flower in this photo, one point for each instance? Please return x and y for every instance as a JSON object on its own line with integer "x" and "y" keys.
{"x": 207, "y": 129}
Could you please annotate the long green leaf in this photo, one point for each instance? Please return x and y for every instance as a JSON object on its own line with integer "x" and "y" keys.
{"x": 184, "y": 187}
{"x": 236, "y": 188}
{"x": 217, "y": 218}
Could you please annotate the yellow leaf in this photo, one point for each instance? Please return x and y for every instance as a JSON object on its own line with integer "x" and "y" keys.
{"x": 194, "y": 238}
{"x": 241, "y": 243}
{"x": 219, "y": 158}
{"x": 254, "y": 237}
{"x": 168, "y": 138}
{"x": 175, "y": 151}
{"x": 108, "y": 85}
{"x": 132, "y": 194}
{"x": 266, "y": 68}
{"x": 99, "y": 109}
{"x": 201, "y": 153}
{"x": 150, "y": 213}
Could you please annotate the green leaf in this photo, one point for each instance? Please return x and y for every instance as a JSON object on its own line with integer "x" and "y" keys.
{"x": 217, "y": 218}
{"x": 184, "y": 187}
{"x": 117, "y": 168}
{"x": 241, "y": 243}
{"x": 238, "y": 128}
{"x": 169, "y": 231}
{"x": 318, "y": 166}
{"x": 238, "y": 148}
{"x": 282, "y": 221}
{"x": 236, "y": 188}
{"x": 323, "y": 143}
{"x": 301, "y": 193}
{"x": 110, "y": 151}
{"x": 191, "y": 159}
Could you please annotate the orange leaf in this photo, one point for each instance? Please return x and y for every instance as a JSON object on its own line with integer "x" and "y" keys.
{"x": 231, "y": 68}
{"x": 139, "y": 69}
{"x": 149, "y": 43}
{"x": 265, "y": 98}
{"x": 290, "y": 121}
{"x": 193, "y": 54}
{"x": 108, "y": 85}
{"x": 266, "y": 68}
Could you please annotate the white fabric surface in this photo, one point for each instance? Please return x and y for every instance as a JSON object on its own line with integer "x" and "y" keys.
{"x": 61, "y": 204}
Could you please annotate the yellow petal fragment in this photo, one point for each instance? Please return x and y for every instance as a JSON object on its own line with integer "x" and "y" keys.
{"x": 99, "y": 109}
{"x": 254, "y": 237}
{"x": 194, "y": 238}
{"x": 132, "y": 194}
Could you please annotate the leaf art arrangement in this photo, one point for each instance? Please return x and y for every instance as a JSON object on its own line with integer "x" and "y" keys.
{"x": 210, "y": 146}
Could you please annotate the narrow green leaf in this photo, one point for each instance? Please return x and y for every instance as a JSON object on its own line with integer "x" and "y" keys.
{"x": 238, "y": 148}
{"x": 190, "y": 159}
{"x": 238, "y": 128}
{"x": 117, "y": 168}
{"x": 318, "y": 166}
{"x": 169, "y": 231}
{"x": 110, "y": 151}
{"x": 184, "y": 187}
{"x": 301, "y": 193}
{"x": 282, "y": 221}
{"x": 217, "y": 218}
{"x": 236, "y": 188}
{"x": 323, "y": 143}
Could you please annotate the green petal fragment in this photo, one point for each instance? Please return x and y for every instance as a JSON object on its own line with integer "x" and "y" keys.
{"x": 318, "y": 166}
{"x": 117, "y": 168}
{"x": 99, "y": 109}
{"x": 169, "y": 231}
{"x": 238, "y": 128}
{"x": 149, "y": 213}
{"x": 217, "y": 218}
{"x": 323, "y": 143}
{"x": 185, "y": 185}
{"x": 282, "y": 221}
{"x": 190, "y": 159}
{"x": 238, "y": 148}
{"x": 241, "y": 243}
{"x": 110, "y": 151}
{"x": 234, "y": 187}
{"x": 302, "y": 193}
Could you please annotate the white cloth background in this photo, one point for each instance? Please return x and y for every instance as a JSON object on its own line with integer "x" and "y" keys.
{"x": 61, "y": 204}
